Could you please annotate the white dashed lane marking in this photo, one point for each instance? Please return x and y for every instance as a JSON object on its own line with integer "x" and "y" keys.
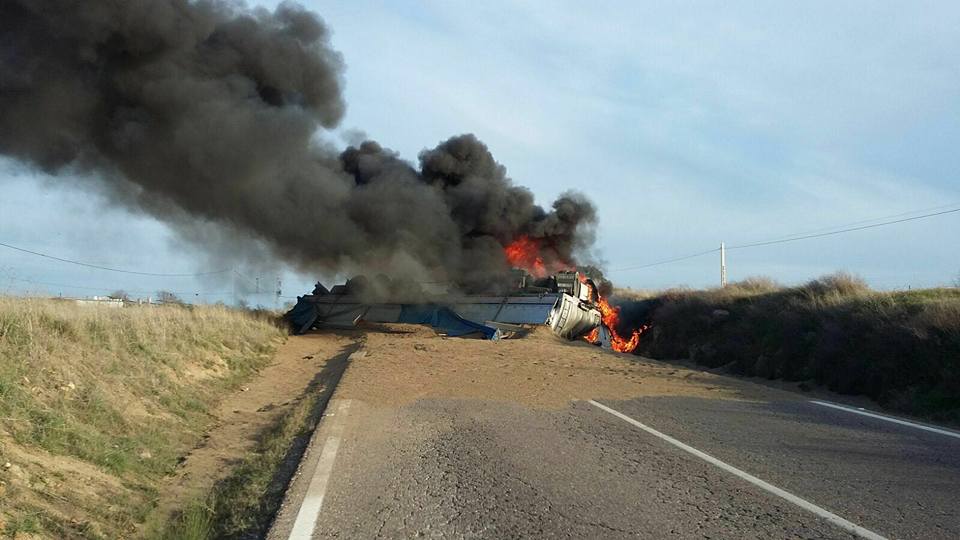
{"x": 891, "y": 419}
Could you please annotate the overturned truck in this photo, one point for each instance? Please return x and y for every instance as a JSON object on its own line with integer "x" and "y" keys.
{"x": 565, "y": 302}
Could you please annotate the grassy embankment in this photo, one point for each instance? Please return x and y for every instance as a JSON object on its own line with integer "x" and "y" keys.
{"x": 242, "y": 504}
{"x": 98, "y": 405}
{"x": 901, "y": 349}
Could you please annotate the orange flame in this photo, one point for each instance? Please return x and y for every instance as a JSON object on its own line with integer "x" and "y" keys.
{"x": 524, "y": 252}
{"x": 593, "y": 336}
{"x": 610, "y": 318}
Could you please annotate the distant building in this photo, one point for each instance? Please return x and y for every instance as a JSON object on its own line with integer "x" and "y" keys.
{"x": 102, "y": 301}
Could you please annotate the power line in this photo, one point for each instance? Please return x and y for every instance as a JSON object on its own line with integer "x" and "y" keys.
{"x": 802, "y": 236}
{"x": 665, "y": 261}
{"x": 789, "y": 238}
{"x": 808, "y": 236}
{"x": 861, "y": 222}
{"x": 107, "y": 268}
{"x": 241, "y": 276}
{"x": 82, "y": 287}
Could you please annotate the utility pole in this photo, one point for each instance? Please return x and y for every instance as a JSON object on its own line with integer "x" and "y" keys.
{"x": 723, "y": 265}
{"x": 279, "y": 291}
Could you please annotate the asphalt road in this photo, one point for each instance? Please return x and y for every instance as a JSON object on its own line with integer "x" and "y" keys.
{"x": 477, "y": 468}
{"x": 472, "y": 469}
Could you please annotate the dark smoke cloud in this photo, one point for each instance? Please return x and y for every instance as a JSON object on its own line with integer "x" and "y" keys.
{"x": 208, "y": 112}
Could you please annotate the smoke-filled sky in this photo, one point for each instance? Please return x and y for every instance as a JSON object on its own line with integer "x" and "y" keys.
{"x": 685, "y": 126}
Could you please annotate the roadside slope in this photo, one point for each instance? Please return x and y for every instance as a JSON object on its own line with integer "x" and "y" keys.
{"x": 231, "y": 485}
{"x": 98, "y": 406}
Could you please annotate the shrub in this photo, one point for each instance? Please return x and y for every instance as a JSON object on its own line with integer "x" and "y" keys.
{"x": 756, "y": 284}
{"x": 839, "y": 284}
{"x": 901, "y": 349}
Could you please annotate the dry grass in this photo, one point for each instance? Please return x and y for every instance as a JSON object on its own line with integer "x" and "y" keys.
{"x": 902, "y": 349}
{"x": 243, "y": 504}
{"x": 98, "y": 404}
{"x": 630, "y": 294}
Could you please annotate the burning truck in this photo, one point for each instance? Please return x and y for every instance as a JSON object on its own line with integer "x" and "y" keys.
{"x": 453, "y": 214}
{"x": 569, "y": 302}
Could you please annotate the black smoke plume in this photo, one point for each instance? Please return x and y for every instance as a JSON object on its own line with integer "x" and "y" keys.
{"x": 206, "y": 111}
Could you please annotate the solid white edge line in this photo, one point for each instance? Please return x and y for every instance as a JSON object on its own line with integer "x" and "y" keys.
{"x": 802, "y": 503}
{"x": 309, "y": 512}
{"x": 931, "y": 429}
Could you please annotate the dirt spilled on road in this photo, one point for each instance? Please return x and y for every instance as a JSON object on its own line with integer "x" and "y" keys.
{"x": 402, "y": 364}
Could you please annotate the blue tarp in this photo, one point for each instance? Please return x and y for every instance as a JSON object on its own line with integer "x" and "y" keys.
{"x": 443, "y": 319}
{"x": 302, "y": 316}
{"x": 305, "y": 313}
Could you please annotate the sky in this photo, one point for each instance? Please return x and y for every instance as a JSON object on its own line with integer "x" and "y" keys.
{"x": 687, "y": 124}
